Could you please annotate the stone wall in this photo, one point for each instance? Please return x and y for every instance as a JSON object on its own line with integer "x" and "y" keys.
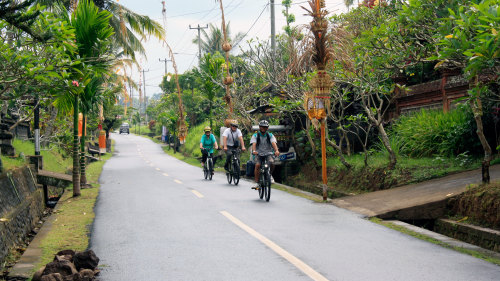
{"x": 21, "y": 207}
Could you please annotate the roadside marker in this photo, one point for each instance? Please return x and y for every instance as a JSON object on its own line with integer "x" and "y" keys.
{"x": 197, "y": 194}
{"x": 314, "y": 275}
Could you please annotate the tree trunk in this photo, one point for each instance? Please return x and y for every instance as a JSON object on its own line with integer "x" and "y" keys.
{"x": 76, "y": 154}
{"x": 485, "y": 166}
{"x": 387, "y": 145}
{"x": 313, "y": 146}
{"x": 338, "y": 148}
{"x": 83, "y": 176}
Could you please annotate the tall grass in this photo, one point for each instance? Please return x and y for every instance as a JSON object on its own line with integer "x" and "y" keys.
{"x": 433, "y": 132}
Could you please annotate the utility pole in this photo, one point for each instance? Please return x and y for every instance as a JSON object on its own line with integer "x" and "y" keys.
{"x": 165, "y": 60}
{"x": 199, "y": 40}
{"x": 273, "y": 29}
{"x": 145, "y": 96}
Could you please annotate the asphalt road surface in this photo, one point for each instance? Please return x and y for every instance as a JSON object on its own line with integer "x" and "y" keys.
{"x": 158, "y": 219}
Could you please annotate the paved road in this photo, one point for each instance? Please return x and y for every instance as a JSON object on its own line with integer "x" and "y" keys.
{"x": 157, "y": 219}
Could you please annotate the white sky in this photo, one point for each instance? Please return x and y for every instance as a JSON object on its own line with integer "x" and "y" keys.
{"x": 242, "y": 14}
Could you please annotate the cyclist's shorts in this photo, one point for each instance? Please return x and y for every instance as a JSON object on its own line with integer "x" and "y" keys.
{"x": 270, "y": 159}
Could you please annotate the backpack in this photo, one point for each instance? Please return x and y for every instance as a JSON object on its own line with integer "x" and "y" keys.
{"x": 258, "y": 138}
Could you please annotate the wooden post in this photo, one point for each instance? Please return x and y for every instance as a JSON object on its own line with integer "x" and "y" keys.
{"x": 446, "y": 106}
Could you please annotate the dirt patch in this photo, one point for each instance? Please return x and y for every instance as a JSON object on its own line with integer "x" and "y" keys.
{"x": 479, "y": 205}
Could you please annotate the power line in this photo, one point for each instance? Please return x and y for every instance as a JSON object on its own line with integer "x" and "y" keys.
{"x": 253, "y": 24}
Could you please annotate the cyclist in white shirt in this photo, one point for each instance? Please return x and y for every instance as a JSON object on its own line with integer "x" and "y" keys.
{"x": 232, "y": 138}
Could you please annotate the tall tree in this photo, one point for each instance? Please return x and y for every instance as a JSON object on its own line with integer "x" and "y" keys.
{"x": 92, "y": 34}
{"x": 472, "y": 43}
{"x": 211, "y": 72}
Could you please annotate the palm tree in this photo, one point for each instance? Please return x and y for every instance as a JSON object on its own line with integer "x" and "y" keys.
{"x": 126, "y": 25}
{"x": 212, "y": 40}
{"x": 92, "y": 33}
{"x": 211, "y": 71}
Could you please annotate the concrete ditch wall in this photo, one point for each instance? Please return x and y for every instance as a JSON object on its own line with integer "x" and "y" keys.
{"x": 21, "y": 207}
{"x": 482, "y": 237}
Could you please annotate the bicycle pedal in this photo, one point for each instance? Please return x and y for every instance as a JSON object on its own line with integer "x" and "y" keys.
{"x": 256, "y": 188}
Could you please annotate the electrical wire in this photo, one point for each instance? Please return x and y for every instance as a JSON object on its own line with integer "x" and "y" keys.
{"x": 253, "y": 24}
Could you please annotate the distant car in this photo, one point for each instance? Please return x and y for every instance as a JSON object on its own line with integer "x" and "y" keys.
{"x": 124, "y": 128}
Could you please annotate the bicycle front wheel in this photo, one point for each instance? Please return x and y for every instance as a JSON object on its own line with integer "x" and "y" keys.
{"x": 261, "y": 187}
{"x": 267, "y": 186}
{"x": 205, "y": 172}
{"x": 236, "y": 171}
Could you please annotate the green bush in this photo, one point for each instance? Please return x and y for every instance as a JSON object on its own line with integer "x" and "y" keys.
{"x": 433, "y": 132}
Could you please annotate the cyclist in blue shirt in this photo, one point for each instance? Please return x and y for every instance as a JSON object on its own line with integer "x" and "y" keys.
{"x": 207, "y": 145}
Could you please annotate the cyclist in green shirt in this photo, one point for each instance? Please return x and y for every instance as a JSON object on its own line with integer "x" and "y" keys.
{"x": 207, "y": 145}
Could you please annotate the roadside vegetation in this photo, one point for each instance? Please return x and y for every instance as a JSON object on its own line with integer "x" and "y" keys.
{"x": 479, "y": 205}
{"x": 73, "y": 217}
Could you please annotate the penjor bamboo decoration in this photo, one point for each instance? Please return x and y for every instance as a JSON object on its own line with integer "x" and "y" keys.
{"x": 228, "y": 79}
{"x": 317, "y": 102}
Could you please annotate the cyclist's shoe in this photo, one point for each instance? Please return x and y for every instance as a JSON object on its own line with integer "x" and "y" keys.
{"x": 256, "y": 187}
{"x": 202, "y": 164}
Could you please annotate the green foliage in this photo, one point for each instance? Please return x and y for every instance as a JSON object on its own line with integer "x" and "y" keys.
{"x": 192, "y": 145}
{"x": 432, "y": 132}
{"x": 474, "y": 40}
{"x": 29, "y": 64}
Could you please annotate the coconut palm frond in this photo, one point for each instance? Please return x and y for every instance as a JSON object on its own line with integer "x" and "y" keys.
{"x": 142, "y": 25}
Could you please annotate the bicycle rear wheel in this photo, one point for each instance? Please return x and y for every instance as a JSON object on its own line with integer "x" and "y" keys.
{"x": 267, "y": 186}
{"x": 236, "y": 171}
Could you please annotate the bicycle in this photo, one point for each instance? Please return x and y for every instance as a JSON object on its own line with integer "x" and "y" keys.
{"x": 264, "y": 179}
{"x": 233, "y": 173}
{"x": 208, "y": 168}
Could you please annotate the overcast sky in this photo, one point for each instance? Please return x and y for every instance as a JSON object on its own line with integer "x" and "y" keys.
{"x": 252, "y": 17}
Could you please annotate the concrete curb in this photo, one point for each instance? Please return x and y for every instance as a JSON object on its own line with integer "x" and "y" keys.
{"x": 445, "y": 239}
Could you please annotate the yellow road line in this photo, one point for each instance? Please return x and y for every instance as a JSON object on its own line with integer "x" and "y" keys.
{"x": 197, "y": 194}
{"x": 157, "y": 169}
{"x": 277, "y": 249}
{"x": 165, "y": 174}
{"x": 151, "y": 165}
{"x": 178, "y": 181}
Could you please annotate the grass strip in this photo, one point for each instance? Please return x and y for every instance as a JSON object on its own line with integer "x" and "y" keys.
{"x": 420, "y": 236}
{"x": 73, "y": 217}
